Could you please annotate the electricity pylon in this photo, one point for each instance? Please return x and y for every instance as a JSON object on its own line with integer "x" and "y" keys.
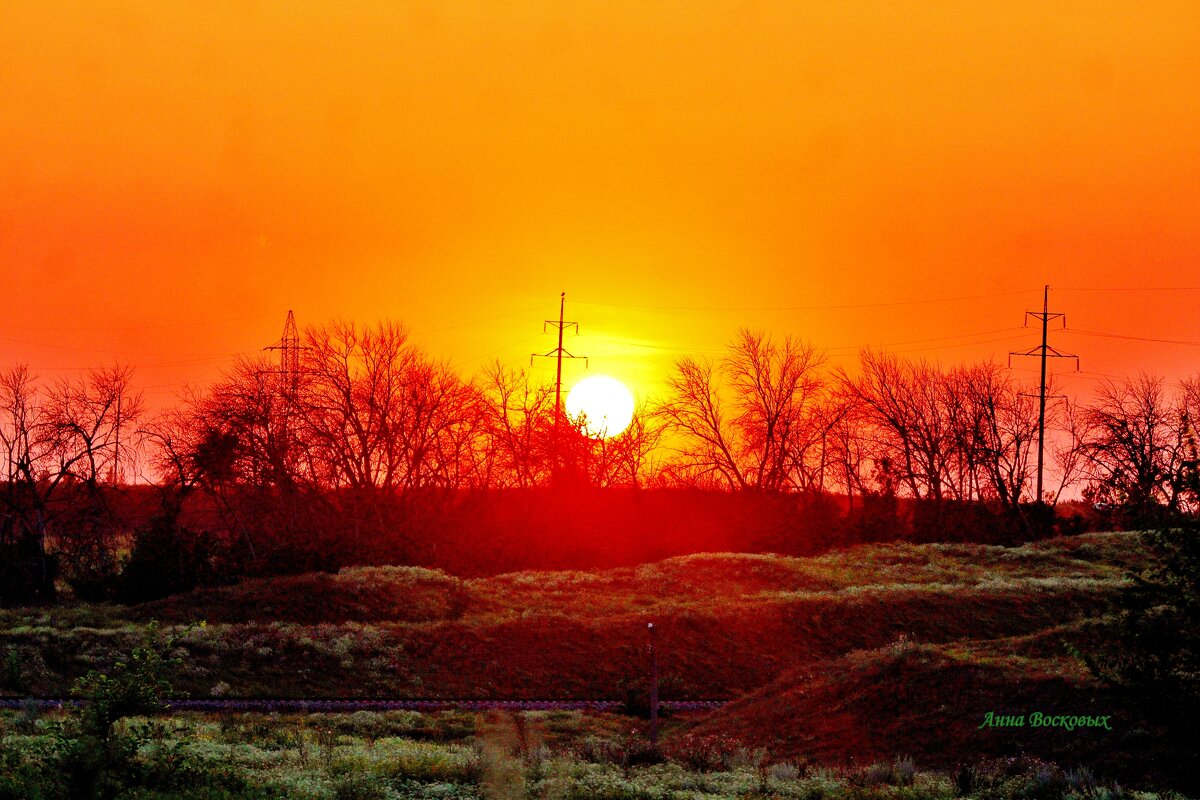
{"x": 289, "y": 349}
{"x": 558, "y": 353}
{"x": 1044, "y": 351}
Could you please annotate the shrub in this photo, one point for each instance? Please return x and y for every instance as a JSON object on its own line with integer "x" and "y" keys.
{"x": 359, "y": 786}
{"x": 137, "y": 685}
{"x": 426, "y": 763}
{"x": 900, "y": 772}
{"x": 13, "y": 674}
{"x": 608, "y": 786}
{"x": 25, "y": 775}
{"x": 704, "y": 752}
{"x": 1152, "y": 654}
{"x": 785, "y": 771}
{"x": 167, "y": 558}
{"x": 1014, "y": 778}
{"x": 630, "y": 750}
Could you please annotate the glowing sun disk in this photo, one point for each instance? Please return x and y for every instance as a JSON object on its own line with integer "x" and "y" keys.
{"x": 603, "y": 403}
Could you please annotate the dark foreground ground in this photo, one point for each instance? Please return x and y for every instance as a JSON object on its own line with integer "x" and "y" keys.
{"x": 886, "y": 655}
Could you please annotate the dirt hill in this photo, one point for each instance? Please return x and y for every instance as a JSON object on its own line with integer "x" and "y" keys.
{"x": 931, "y": 703}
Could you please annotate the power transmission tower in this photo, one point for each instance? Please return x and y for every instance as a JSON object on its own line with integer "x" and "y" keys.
{"x": 1044, "y": 351}
{"x": 289, "y": 349}
{"x": 287, "y": 386}
{"x": 558, "y": 354}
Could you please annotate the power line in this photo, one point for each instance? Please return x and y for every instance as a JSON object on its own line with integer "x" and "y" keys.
{"x": 77, "y": 349}
{"x": 505, "y": 347}
{"x": 937, "y": 339}
{"x": 832, "y": 307}
{"x": 1131, "y": 289}
{"x": 92, "y": 328}
{"x": 949, "y": 346}
{"x": 944, "y": 338}
{"x": 1191, "y": 343}
{"x": 481, "y": 320}
{"x": 850, "y": 349}
{"x": 195, "y": 362}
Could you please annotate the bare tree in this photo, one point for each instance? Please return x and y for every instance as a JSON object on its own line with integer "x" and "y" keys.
{"x": 26, "y": 572}
{"x": 766, "y": 434}
{"x": 847, "y": 452}
{"x": 519, "y": 419}
{"x": 56, "y": 440}
{"x": 1134, "y": 446}
{"x": 636, "y": 446}
{"x": 1002, "y": 432}
{"x": 439, "y": 426}
{"x": 966, "y": 433}
{"x": 379, "y": 413}
{"x": 89, "y": 417}
{"x": 1068, "y": 451}
{"x": 622, "y": 460}
{"x": 95, "y": 421}
{"x": 904, "y": 403}
{"x": 696, "y": 417}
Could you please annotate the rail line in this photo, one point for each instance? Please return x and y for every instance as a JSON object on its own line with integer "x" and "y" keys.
{"x": 291, "y": 706}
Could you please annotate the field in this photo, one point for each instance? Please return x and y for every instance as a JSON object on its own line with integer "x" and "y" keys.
{"x": 874, "y": 666}
{"x": 564, "y": 755}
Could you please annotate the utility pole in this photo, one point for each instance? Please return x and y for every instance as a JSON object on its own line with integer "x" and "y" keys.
{"x": 558, "y": 353}
{"x": 1044, "y": 351}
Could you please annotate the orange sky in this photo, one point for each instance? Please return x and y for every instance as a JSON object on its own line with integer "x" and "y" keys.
{"x": 175, "y": 176}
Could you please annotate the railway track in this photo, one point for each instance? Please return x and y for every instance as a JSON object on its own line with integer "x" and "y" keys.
{"x": 267, "y": 705}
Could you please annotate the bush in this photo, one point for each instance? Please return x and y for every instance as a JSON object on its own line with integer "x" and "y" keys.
{"x": 27, "y": 574}
{"x": 359, "y": 786}
{"x": 630, "y": 750}
{"x": 138, "y": 685}
{"x": 167, "y": 558}
{"x": 85, "y": 536}
{"x": 900, "y": 772}
{"x": 1153, "y": 653}
{"x": 1014, "y": 778}
{"x": 13, "y": 675}
{"x": 23, "y": 775}
{"x": 704, "y": 752}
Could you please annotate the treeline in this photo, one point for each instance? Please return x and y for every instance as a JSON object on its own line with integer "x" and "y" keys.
{"x": 358, "y": 447}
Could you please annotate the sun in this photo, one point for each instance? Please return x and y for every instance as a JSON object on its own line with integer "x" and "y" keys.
{"x": 604, "y": 404}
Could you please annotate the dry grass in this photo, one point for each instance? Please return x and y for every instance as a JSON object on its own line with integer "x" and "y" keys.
{"x": 728, "y": 623}
{"x": 925, "y": 701}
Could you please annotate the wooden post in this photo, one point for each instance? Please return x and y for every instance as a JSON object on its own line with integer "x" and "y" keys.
{"x": 653, "y": 689}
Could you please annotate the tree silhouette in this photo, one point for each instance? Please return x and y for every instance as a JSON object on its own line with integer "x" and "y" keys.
{"x": 1133, "y": 445}
{"x": 57, "y": 441}
{"x": 755, "y": 420}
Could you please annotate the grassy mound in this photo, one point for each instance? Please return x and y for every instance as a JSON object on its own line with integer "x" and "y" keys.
{"x": 358, "y": 594}
{"x": 928, "y": 702}
{"x": 728, "y": 623}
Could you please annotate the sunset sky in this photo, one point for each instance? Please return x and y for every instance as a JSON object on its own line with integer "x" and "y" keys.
{"x": 174, "y": 176}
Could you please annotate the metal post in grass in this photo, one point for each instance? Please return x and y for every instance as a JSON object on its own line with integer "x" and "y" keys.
{"x": 653, "y": 689}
